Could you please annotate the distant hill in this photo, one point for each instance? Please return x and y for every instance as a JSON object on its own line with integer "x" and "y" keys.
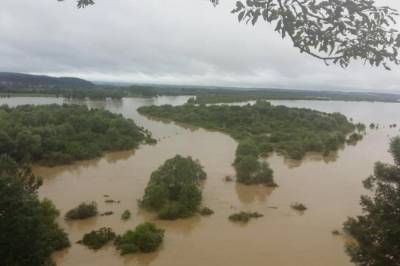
{"x": 26, "y": 80}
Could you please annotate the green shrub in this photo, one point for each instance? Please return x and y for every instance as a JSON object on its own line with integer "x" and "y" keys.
{"x": 244, "y": 217}
{"x": 250, "y": 171}
{"x": 205, "y": 211}
{"x": 145, "y": 238}
{"x": 83, "y": 211}
{"x": 126, "y": 215}
{"x": 354, "y": 138}
{"x": 98, "y": 238}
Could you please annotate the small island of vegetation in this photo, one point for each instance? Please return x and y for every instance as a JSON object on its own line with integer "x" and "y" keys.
{"x": 98, "y": 238}
{"x": 298, "y": 206}
{"x": 54, "y": 134}
{"x": 174, "y": 189}
{"x": 82, "y": 211}
{"x": 244, "y": 217}
{"x": 261, "y": 129}
{"x": 145, "y": 238}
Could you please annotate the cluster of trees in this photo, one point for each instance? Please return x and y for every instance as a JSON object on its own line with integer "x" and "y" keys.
{"x": 145, "y": 238}
{"x": 174, "y": 188}
{"x": 376, "y": 232}
{"x": 82, "y": 211}
{"x": 249, "y": 170}
{"x": 215, "y": 96}
{"x": 96, "y": 239}
{"x": 53, "y": 134}
{"x": 354, "y": 138}
{"x": 262, "y": 128}
{"x": 29, "y": 232}
{"x": 244, "y": 217}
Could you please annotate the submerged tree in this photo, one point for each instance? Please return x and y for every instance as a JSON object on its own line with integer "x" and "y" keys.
{"x": 174, "y": 188}
{"x": 377, "y": 231}
{"x": 29, "y": 233}
{"x": 334, "y": 31}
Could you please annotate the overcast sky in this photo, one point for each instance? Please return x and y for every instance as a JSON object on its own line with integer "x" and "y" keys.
{"x": 166, "y": 41}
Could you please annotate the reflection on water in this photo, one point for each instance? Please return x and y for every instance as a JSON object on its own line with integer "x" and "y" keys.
{"x": 250, "y": 194}
{"x": 329, "y": 186}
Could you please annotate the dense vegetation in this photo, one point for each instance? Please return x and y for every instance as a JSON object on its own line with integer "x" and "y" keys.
{"x": 244, "y": 217}
{"x": 174, "y": 188}
{"x": 262, "y": 128}
{"x": 14, "y": 84}
{"x": 82, "y": 211}
{"x": 98, "y": 238}
{"x": 145, "y": 238}
{"x": 240, "y": 95}
{"x": 29, "y": 233}
{"x": 377, "y": 231}
{"x": 53, "y": 134}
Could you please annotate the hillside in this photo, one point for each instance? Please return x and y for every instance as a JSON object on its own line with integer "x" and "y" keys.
{"x": 8, "y": 79}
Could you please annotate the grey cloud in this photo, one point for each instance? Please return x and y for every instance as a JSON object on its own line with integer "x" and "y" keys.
{"x": 165, "y": 41}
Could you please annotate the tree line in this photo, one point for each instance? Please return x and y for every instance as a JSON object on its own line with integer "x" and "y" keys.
{"x": 54, "y": 134}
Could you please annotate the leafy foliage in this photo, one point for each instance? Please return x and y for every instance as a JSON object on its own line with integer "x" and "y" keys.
{"x": 53, "y": 134}
{"x": 262, "y": 128}
{"x": 335, "y": 31}
{"x": 98, "y": 238}
{"x": 126, "y": 215}
{"x": 250, "y": 171}
{"x": 29, "y": 233}
{"x": 331, "y": 30}
{"x": 376, "y": 232}
{"x": 82, "y": 211}
{"x": 145, "y": 238}
{"x": 205, "y": 211}
{"x": 174, "y": 188}
{"x": 244, "y": 217}
{"x": 354, "y": 138}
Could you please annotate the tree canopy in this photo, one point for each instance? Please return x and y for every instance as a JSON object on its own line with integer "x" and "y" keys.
{"x": 174, "y": 188}
{"x": 334, "y": 31}
{"x": 53, "y": 134}
{"x": 262, "y": 128}
{"x": 376, "y": 232}
{"x": 29, "y": 233}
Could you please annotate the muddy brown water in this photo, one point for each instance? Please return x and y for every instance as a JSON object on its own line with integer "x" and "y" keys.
{"x": 329, "y": 187}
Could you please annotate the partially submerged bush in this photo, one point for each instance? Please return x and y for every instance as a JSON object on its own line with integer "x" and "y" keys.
{"x": 174, "y": 188}
{"x": 83, "y": 211}
{"x": 228, "y": 178}
{"x": 250, "y": 171}
{"x": 126, "y": 215}
{"x": 112, "y": 201}
{"x": 354, "y": 138}
{"x": 298, "y": 206}
{"x": 244, "y": 217}
{"x": 145, "y": 238}
{"x": 107, "y": 213}
{"x": 205, "y": 211}
{"x": 97, "y": 238}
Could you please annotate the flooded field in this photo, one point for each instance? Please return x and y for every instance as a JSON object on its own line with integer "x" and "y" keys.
{"x": 329, "y": 187}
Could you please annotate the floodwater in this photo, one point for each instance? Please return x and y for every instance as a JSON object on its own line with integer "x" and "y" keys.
{"x": 329, "y": 187}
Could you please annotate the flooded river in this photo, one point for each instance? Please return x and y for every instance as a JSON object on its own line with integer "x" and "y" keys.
{"x": 329, "y": 187}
